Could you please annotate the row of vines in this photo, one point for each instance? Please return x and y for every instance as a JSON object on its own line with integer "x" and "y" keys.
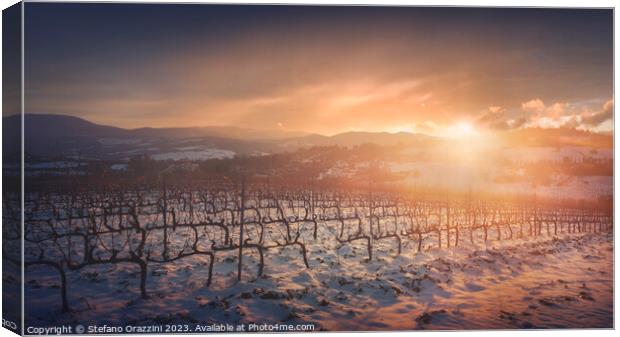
{"x": 72, "y": 231}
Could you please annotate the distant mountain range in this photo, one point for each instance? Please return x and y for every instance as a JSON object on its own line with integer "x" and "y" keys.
{"x": 59, "y": 136}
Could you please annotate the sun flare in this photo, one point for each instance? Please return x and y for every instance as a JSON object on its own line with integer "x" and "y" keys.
{"x": 461, "y": 130}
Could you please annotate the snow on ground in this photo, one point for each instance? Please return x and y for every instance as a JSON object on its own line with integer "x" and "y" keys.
{"x": 586, "y": 186}
{"x": 119, "y": 167}
{"x": 122, "y": 141}
{"x": 465, "y": 175}
{"x": 195, "y": 155}
{"x": 445, "y": 174}
{"x": 533, "y": 154}
{"x": 544, "y": 282}
{"x": 53, "y": 165}
{"x": 190, "y": 148}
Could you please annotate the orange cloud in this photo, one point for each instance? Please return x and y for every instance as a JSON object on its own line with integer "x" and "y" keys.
{"x": 596, "y": 118}
{"x": 534, "y": 105}
{"x": 562, "y": 114}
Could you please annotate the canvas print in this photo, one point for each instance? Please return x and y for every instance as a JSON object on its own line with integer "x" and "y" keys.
{"x": 193, "y": 168}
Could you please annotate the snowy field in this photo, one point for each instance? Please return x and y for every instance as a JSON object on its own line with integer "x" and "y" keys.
{"x": 195, "y": 155}
{"x": 536, "y": 282}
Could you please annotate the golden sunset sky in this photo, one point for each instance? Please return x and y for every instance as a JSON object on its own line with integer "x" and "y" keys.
{"x": 321, "y": 69}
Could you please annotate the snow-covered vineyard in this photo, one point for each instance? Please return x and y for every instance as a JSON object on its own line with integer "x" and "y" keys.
{"x": 341, "y": 259}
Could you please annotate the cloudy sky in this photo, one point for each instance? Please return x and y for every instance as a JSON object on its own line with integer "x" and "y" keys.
{"x": 321, "y": 69}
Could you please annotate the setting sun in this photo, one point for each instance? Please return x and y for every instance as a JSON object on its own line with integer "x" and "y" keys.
{"x": 460, "y": 130}
{"x": 465, "y": 129}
